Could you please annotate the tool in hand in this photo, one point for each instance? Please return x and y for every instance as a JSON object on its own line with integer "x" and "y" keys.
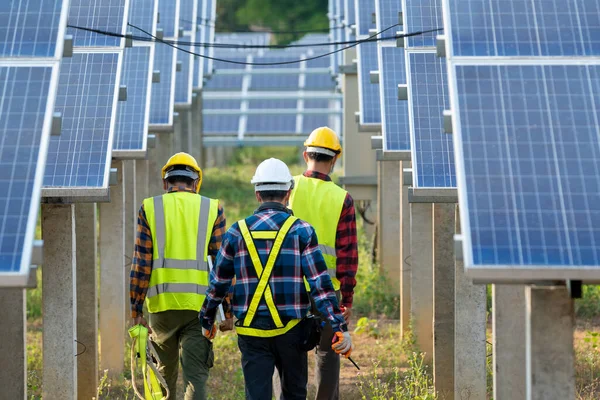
{"x": 355, "y": 364}
{"x": 220, "y": 312}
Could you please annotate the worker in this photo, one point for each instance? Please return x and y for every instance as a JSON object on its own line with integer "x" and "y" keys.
{"x": 176, "y": 233}
{"x": 330, "y": 210}
{"x": 270, "y": 254}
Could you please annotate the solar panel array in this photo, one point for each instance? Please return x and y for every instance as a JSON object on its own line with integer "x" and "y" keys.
{"x": 133, "y": 115}
{"x": 30, "y": 52}
{"x": 524, "y": 80}
{"x": 184, "y": 76}
{"x": 104, "y": 15}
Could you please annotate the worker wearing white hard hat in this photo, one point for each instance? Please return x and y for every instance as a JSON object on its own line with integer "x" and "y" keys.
{"x": 270, "y": 254}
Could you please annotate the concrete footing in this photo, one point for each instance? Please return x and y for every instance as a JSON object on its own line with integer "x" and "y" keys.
{"x": 509, "y": 341}
{"x": 388, "y": 206}
{"x": 421, "y": 243}
{"x": 87, "y": 300}
{"x": 550, "y": 317}
{"x": 59, "y": 374}
{"x": 112, "y": 279}
{"x": 13, "y": 331}
{"x": 443, "y": 299}
{"x": 470, "y": 374}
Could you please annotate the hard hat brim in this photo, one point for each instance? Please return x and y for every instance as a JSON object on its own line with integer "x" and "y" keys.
{"x": 272, "y": 187}
{"x": 184, "y": 173}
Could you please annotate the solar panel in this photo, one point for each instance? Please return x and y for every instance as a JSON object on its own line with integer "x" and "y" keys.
{"x": 86, "y": 97}
{"x": 24, "y": 132}
{"x": 530, "y": 149}
{"x": 31, "y": 28}
{"x": 163, "y": 93}
{"x": 274, "y": 82}
{"x": 271, "y": 124}
{"x": 183, "y": 78}
{"x": 224, "y": 82}
{"x": 105, "y": 15}
{"x": 319, "y": 81}
{"x": 220, "y": 124}
{"x": 187, "y": 8}
{"x": 310, "y": 122}
{"x": 221, "y": 104}
{"x": 133, "y": 114}
{"x": 143, "y": 14}
{"x": 422, "y": 15}
{"x": 525, "y": 28}
{"x": 364, "y": 16}
{"x": 432, "y": 151}
{"x": 392, "y": 72}
{"x": 198, "y": 75}
{"x": 370, "y": 108}
{"x": 266, "y": 104}
{"x": 388, "y": 13}
{"x": 169, "y": 17}
{"x": 209, "y": 34}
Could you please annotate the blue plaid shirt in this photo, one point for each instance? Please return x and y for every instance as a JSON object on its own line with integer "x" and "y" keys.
{"x": 299, "y": 258}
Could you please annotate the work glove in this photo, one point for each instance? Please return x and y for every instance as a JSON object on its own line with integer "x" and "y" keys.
{"x": 342, "y": 343}
{"x": 210, "y": 333}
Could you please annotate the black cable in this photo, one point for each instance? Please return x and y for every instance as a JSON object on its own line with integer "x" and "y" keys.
{"x": 150, "y": 38}
{"x": 84, "y": 348}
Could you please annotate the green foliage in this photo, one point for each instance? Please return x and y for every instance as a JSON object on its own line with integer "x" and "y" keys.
{"x": 414, "y": 384}
{"x": 367, "y": 326}
{"x": 34, "y": 298}
{"x": 588, "y": 306}
{"x": 587, "y": 366}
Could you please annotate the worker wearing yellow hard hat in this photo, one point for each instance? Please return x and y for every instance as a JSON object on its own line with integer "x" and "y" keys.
{"x": 177, "y": 234}
{"x": 330, "y": 210}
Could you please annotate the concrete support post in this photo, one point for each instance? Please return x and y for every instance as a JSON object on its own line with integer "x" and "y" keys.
{"x": 443, "y": 299}
{"x": 421, "y": 244}
{"x": 87, "y": 300}
{"x": 469, "y": 335}
{"x": 178, "y": 133}
{"x": 59, "y": 375}
{"x": 388, "y": 205}
{"x": 196, "y": 131}
{"x": 219, "y": 156}
{"x": 405, "y": 251}
{"x": 550, "y": 316}
{"x": 508, "y": 324}
{"x": 13, "y": 331}
{"x": 112, "y": 279}
{"x": 188, "y": 132}
{"x": 129, "y": 185}
{"x": 142, "y": 181}
{"x": 154, "y": 167}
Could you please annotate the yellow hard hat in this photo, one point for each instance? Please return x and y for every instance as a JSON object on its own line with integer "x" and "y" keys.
{"x": 191, "y": 170}
{"x": 323, "y": 139}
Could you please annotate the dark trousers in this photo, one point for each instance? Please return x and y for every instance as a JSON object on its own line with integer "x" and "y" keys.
{"x": 327, "y": 362}
{"x": 178, "y": 337}
{"x": 261, "y": 355}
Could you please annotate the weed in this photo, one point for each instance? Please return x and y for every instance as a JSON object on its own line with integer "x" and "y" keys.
{"x": 367, "y": 326}
{"x": 588, "y": 306}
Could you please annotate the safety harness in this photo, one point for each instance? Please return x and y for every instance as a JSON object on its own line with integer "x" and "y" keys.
{"x": 263, "y": 290}
{"x": 153, "y": 380}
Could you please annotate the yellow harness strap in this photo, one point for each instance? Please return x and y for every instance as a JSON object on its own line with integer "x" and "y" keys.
{"x": 264, "y": 273}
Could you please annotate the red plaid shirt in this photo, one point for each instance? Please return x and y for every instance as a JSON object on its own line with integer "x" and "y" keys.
{"x": 141, "y": 266}
{"x": 346, "y": 245}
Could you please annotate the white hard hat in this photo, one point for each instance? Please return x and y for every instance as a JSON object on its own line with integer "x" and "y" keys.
{"x": 272, "y": 174}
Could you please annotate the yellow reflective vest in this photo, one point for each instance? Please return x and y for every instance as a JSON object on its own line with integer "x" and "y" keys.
{"x": 181, "y": 224}
{"x": 320, "y": 203}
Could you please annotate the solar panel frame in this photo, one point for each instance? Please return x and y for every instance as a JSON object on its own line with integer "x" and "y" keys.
{"x": 418, "y": 15}
{"x": 161, "y": 114}
{"x": 368, "y": 93}
{"x": 169, "y": 18}
{"x": 19, "y": 275}
{"x": 75, "y": 190}
{"x": 148, "y": 12}
{"x": 364, "y": 10}
{"x": 58, "y": 42}
{"x": 92, "y": 39}
{"x": 387, "y": 13}
{"x": 184, "y": 78}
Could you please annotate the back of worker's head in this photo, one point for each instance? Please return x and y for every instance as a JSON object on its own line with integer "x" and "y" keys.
{"x": 322, "y": 149}
{"x": 182, "y": 170}
{"x": 272, "y": 181}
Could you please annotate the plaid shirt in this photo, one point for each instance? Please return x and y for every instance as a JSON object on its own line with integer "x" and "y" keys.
{"x": 141, "y": 266}
{"x": 346, "y": 245}
{"x": 299, "y": 258}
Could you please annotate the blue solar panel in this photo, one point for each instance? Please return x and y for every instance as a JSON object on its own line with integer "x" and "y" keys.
{"x": 350, "y": 16}
{"x": 169, "y": 17}
{"x": 319, "y": 81}
{"x": 388, "y": 14}
{"x": 262, "y": 104}
{"x": 224, "y": 82}
{"x": 86, "y": 97}
{"x": 227, "y": 104}
{"x": 422, "y": 15}
{"x": 105, "y": 15}
{"x": 186, "y": 11}
{"x": 530, "y": 150}
{"x": 370, "y": 105}
{"x": 316, "y": 103}
{"x": 163, "y": 93}
{"x": 209, "y": 34}
{"x": 364, "y": 16}
{"x": 23, "y": 140}
{"x": 142, "y": 13}
{"x": 183, "y": 78}
{"x": 310, "y": 122}
{"x": 525, "y": 28}
{"x": 29, "y": 28}
{"x": 433, "y": 154}
{"x": 395, "y": 127}
{"x": 198, "y": 61}
{"x": 274, "y": 82}
{"x": 133, "y": 114}
{"x": 271, "y": 124}
{"x": 220, "y": 124}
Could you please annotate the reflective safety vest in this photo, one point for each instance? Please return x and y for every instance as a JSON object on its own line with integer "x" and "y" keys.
{"x": 181, "y": 224}
{"x": 263, "y": 290}
{"x": 320, "y": 203}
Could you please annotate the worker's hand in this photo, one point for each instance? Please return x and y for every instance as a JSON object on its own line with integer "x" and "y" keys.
{"x": 226, "y": 325}
{"x": 347, "y": 313}
{"x": 342, "y": 343}
{"x": 142, "y": 321}
{"x": 210, "y": 334}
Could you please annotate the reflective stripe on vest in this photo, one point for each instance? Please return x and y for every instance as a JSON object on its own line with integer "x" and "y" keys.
{"x": 320, "y": 203}
{"x": 180, "y": 272}
{"x": 263, "y": 290}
